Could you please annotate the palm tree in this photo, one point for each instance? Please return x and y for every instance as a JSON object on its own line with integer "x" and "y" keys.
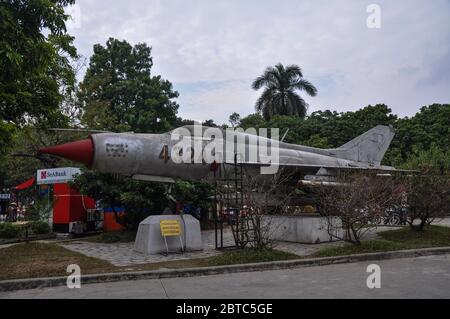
{"x": 280, "y": 97}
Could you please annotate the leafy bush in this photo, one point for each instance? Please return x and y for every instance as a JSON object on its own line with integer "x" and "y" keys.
{"x": 114, "y": 237}
{"x": 39, "y": 228}
{"x": 8, "y": 231}
{"x": 40, "y": 211}
{"x": 110, "y": 238}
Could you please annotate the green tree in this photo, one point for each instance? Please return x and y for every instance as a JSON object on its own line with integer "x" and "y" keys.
{"x": 279, "y": 96}
{"x": 119, "y": 93}
{"x": 253, "y": 121}
{"x": 198, "y": 194}
{"x": 435, "y": 160}
{"x": 329, "y": 129}
{"x": 209, "y": 123}
{"x": 22, "y": 162}
{"x": 428, "y": 192}
{"x": 235, "y": 119}
{"x": 430, "y": 126}
{"x": 334, "y": 128}
{"x": 288, "y": 125}
{"x": 35, "y": 64}
{"x": 140, "y": 199}
{"x": 339, "y": 128}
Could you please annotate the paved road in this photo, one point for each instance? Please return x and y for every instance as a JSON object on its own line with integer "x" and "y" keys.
{"x": 424, "y": 277}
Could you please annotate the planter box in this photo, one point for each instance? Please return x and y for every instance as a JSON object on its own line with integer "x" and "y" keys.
{"x": 305, "y": 228}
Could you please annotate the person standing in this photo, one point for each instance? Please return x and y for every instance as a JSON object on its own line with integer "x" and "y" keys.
{"x": 13, "y": 217}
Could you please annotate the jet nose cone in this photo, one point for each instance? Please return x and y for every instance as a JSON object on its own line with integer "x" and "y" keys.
{"x": 79, "y": 151}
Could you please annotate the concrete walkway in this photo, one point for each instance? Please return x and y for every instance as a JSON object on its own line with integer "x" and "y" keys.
{"x": 122, "y": 254}
{"x": 423, "y": 277}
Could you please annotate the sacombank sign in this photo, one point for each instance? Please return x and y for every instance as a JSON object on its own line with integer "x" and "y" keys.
{"x": 45, "y": 175}
{"x": 56, "y": 175}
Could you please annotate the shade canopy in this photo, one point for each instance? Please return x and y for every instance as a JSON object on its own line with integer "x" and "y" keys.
{"x": 26, "y": 184}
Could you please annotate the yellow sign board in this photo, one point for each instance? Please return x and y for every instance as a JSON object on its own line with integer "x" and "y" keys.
{"x": 170, "y": 228}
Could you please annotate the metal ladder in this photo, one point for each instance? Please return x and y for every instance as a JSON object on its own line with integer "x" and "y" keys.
{"x": 229, "y": 198}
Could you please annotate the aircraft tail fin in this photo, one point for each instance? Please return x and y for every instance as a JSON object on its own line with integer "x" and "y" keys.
{"x": 369, "y": 147}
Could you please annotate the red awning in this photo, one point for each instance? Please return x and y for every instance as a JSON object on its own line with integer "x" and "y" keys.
{"x": 25, "y": 185}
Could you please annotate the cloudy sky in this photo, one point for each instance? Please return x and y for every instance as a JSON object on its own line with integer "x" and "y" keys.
{"x": 212, "y": 50}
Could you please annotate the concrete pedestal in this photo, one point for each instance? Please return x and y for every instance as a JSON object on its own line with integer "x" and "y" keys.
{"x": 149, "y": 239}
{"x": 305, "y": 229}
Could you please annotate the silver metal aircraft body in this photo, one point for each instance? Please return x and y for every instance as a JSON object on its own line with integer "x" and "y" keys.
{"x": 151, "y": 156}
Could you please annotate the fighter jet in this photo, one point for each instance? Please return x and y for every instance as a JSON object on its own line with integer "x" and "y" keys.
{"x": 156, "y": 157}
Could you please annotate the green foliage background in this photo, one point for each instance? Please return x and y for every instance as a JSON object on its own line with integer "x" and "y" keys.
{"x": 36, "y": 70}
{"x": 428, "y": 129}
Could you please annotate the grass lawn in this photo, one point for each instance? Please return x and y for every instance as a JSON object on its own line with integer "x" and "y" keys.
{"x": 47, "y": 260}
{"x": 398, "y": 239}
{"x": 35, "y": 260}
{"x": 248, "y": 256}
{"x": 42, "y": 260}
{"x": 232, "y": 257}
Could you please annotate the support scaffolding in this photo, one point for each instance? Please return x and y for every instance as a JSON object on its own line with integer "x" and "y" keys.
{"x": 229, "y": 206}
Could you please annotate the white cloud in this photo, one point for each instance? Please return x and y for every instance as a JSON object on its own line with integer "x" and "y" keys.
{"x": 232, "y": 41}
{"x": 217, "y": 101}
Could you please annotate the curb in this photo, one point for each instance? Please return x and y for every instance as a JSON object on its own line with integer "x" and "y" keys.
{"x": 36, "y": 283}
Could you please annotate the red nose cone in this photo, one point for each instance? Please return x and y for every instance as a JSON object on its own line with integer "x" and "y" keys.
{"x": 79, "y": 151}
